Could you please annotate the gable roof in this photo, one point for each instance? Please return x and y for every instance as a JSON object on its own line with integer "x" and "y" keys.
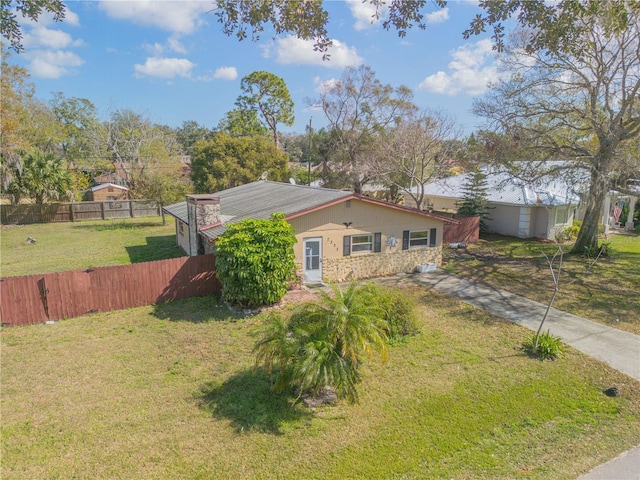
{"x": 260, "y": 199}
{"x": 506, "y": 189}
{"x": 105, "y": 185}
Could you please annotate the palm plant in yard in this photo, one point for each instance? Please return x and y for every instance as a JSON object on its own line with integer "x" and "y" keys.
{"x": 323, "y": 344}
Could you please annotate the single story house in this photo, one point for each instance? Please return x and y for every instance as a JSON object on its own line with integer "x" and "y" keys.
{"x": 517, "y": 208}
{"x": 107, "y": 192}
{"x": 340, "y": 235}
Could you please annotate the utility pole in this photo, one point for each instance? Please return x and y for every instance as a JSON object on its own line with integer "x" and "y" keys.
{"x": 309, "y": 155}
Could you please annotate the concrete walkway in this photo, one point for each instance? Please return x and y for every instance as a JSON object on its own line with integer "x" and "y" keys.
{"x": 616, "y": 348}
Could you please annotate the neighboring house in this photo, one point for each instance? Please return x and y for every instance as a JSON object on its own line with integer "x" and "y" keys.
{"x": 107, "y": 192}
{"x": 340, "y": 235}
{"x": 517, "y": 208}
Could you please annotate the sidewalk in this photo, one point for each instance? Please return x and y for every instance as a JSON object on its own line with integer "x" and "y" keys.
{"x": 616, "y": 348}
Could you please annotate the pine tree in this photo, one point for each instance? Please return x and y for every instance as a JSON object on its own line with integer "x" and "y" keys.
{"x": 474, "y": 200}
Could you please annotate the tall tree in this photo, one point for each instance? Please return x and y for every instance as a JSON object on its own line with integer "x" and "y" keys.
{"x": 416, "y": 152}
{"x": 189, "y": 133}
{"x": 77, "y": 117}
{"x": 474, "y": 197}
{"x": 575, "y": 96}
{"x": 267, "y": 94}
{"x": 15, "y": 91}
{"x": 225, "y": 161}
{"x": 135, "y": 144}
{"x": 360, "y": 109}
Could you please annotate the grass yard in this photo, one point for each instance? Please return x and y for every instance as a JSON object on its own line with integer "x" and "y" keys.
{"x": 170, "y": 392}
{"x": 80, "y": 245}
{"x": 608, "y": 294}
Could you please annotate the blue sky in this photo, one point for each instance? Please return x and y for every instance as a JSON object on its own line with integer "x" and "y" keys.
{"x": 170, "y": 61}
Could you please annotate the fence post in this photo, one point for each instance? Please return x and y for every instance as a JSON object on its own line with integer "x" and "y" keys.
{"x": 72, "y": 212}
{"x": 102, "y": 210}
{"x": 131, "y": 208}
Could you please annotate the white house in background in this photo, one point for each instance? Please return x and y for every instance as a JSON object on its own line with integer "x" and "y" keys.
{"x": 518, "y": 208}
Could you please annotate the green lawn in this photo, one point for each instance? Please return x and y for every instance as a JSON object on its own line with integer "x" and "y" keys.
{"x": 608, "y": 294}
{"x": 171, "y": 392}
{"x": 80, "y": 245}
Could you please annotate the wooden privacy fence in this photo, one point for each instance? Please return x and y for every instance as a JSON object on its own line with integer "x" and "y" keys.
{"x": 468, "y": 231}
{"x": 34, "y": 299}
{"x": 75, "y": 212}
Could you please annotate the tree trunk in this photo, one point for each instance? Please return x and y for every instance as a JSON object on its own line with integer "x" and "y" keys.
{"x": 587, "y": 240}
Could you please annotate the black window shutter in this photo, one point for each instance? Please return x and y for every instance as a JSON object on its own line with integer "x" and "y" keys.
{"x": 377, "y": 242}
{"x": 405, "y": 240}
{"x": 346, "y": 245}
{"x": 432, "y": 237}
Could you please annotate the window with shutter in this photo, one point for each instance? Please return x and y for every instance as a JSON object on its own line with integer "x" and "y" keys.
{"x": 405, "y": 240}
{"x": 346, "y": 245}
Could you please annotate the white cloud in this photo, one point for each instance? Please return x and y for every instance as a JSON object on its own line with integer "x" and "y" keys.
{"x": 180, "y": 17}
{"x": 226, "y": 73}
{"x": 53, "y": 63}
{"x": 469, "y": 72}
{"x": 364, "y": 13}
{"x": 155, "y": 49}
{"x": 164, "y": 68}
{"x": 42, "y": 37}
{"x": 438, "y": 16}
{"x": 292, "y": 50}
{"x": 47, "y": 49}
{"x": 173, "y": 44}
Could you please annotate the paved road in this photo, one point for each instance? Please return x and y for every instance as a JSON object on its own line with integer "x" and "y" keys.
{"x": 619, "y": 349}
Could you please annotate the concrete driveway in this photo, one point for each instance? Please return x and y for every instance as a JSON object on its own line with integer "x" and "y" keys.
{"x": 616, "y": 348}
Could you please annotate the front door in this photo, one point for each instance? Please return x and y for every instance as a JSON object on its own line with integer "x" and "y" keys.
{"x": 312, "y": 260}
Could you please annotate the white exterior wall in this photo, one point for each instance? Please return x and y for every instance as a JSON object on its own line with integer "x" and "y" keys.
{"x": 182, "y": 235}
{"x": 504, "y": 219}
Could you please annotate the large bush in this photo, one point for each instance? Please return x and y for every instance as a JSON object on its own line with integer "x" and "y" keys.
{"x": 255, "y": 261}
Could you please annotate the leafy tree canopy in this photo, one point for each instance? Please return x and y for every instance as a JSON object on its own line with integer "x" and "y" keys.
{"x": 12, "y": 11}
{"x": 225, "y": 161}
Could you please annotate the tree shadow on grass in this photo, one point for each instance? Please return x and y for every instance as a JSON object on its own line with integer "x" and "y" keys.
{"x": 156, "y": 248}
{"x": 246, "y": 400}
{"x": 196, "y": 310}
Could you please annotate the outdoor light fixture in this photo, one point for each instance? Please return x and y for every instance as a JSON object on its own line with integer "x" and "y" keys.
{"x": 391, "y": 241}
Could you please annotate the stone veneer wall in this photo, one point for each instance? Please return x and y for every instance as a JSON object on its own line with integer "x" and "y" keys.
{"x": 376, "y": 264}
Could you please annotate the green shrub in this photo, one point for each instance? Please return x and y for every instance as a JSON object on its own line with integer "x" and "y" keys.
{"x": 549, "y": 347}
{"x": 569, "y": 233}
{"x": 398, "y": 309}
{"x": 255, "y": 261}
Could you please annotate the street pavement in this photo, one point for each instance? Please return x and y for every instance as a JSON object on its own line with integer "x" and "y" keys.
{"x": 616, "y": 348}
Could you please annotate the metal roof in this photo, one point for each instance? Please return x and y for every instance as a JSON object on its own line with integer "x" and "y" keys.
{"x": 259, "y": 200}
{"x": 506, "y": 189}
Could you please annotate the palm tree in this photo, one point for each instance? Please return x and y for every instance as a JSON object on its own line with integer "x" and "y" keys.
{"x": 321, "y": 345}
{"x": 42, "y": 177}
